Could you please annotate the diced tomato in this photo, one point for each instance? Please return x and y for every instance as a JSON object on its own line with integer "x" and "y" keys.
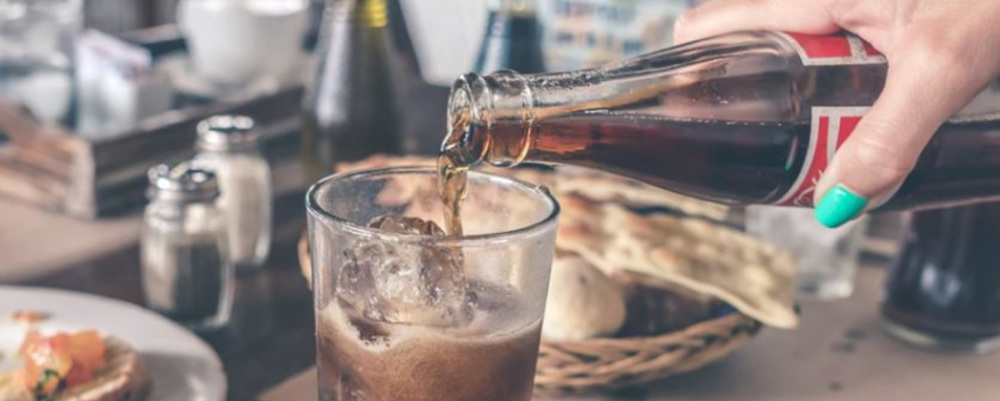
{"x": 87, "y": 349}
{"x": 60, "y": 341}
{"x": 78, "y": 374}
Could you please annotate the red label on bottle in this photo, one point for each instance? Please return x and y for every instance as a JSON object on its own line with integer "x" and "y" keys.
{"x": 830, "y": 127}
{"x": 841, "y": 49}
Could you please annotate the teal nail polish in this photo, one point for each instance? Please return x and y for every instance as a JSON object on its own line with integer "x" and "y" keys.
{"x": 839, "y": 206}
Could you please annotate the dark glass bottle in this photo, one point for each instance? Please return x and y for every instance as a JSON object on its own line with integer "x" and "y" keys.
{"x": 407, "y": 63}
{"x": 945, "y": 290}
{"x": 351, "y": 108}
{"x": 743, "y": 118}
{"x": 513, "y": 38}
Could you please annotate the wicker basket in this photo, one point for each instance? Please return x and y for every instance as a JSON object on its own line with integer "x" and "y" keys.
{"x": 612, "y": 363}
{"x": 603, "y": 364}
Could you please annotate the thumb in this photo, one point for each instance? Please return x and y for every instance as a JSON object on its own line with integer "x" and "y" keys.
{"x": 876, "y": 159}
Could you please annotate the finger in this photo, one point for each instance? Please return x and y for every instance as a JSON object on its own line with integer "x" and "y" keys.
{"x": 887, "y": 142}
{"x": 721, "y": 16}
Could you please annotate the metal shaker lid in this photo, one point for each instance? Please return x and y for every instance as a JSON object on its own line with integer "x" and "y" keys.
{"x": 227, "y": 132}
{"x": 182, "y": 181}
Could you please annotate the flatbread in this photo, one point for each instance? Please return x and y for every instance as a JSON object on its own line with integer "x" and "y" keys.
{"x": 752, "y": 276}
{"x": 605, "y": 187}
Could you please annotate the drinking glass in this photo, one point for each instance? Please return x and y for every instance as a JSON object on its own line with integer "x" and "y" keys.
{"x": 419, "y": 317}
{"x": 827, "y": 259}
{"x": 944, "y": 292}
{"x": 36, "y": 54}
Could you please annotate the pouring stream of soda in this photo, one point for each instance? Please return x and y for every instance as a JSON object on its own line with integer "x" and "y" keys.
{"x": 453, "y": 177}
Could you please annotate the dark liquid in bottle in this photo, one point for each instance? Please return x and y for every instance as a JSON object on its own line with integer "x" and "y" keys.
{"x": 947, "y": 282}
{"x": 740, "y": 163}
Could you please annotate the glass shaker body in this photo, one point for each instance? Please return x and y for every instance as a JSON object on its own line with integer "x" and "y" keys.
{"x": 228, "y": 147}
{"x": 186, "y": 272}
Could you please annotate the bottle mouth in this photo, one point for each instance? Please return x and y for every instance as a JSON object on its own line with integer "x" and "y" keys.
{"x": 466, "y": 143}
{"x": 475, "y": 105}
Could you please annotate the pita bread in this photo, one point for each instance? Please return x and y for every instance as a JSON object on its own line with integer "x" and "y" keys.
{"x": 753, "y": 277}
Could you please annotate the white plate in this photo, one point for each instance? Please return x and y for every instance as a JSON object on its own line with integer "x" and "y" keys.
{"x": 181, "y": 366}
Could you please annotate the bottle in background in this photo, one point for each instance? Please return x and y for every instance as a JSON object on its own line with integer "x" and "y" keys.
{"x": 351, "y": 108}
{"x": 513, "y": 38}
{"x": 407, "y": 63}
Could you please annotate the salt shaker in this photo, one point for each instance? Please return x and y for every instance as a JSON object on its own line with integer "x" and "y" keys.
{"x": 227, "y": 145}
{"x": 186, "y": 272}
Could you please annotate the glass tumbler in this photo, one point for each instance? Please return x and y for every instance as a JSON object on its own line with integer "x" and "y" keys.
{"x": 827, "y": 258}
{"x": 37, "y": 55}
{"x": 410, "y": 317}
{"x": 944, "y": 292}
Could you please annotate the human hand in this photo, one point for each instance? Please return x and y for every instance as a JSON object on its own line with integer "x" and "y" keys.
{"x": 940, "y": 55}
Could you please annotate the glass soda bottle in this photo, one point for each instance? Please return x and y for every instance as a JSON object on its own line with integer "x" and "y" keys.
{"x": 513, "y": 38}
{"x": 351, "y": 109}
{"x": 743, "y": 118}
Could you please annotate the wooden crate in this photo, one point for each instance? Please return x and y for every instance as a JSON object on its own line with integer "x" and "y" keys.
{"x": 58, "y": 170}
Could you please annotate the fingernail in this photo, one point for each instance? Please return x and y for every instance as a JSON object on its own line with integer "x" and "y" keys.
{"x": 839, "y": 206}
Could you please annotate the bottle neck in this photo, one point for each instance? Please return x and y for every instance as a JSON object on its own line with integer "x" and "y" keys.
{"x": 369, "y": 13}
{"x": 480, "y": 103}
{"x": 709, "y": 80}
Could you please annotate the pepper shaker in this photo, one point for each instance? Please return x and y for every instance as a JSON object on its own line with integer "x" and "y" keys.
{"x": 186, "y": 272}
